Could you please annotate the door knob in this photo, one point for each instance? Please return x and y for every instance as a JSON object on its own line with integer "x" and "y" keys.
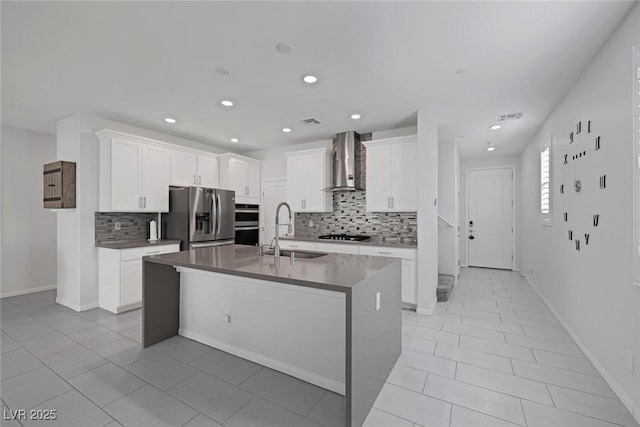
{"x": 472, "y": 237}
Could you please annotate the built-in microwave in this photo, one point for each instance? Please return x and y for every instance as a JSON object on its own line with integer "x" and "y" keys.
{"x": 247, "y": 224}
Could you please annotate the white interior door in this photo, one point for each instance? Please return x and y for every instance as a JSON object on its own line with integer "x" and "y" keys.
{"x": 490, "y": 218}
{"x": 273, "y": 192}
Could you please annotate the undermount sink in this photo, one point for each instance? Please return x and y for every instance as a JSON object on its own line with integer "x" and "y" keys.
{"x": 298, "y": 254}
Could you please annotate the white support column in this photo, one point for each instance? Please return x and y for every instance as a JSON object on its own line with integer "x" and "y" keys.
{"x": 427, "y": 212}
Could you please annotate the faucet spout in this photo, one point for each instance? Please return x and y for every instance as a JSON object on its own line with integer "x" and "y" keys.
{"x": 276, "y": 249}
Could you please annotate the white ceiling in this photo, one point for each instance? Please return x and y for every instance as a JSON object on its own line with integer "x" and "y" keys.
{"x": 138, "y": 62}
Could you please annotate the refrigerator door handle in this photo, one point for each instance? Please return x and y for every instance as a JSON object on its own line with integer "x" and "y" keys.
{"x": 212, "y": 216}
{"x": 218, "y": 213}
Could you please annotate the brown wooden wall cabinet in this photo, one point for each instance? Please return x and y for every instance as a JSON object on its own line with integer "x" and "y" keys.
{"x": 59, "y": 189}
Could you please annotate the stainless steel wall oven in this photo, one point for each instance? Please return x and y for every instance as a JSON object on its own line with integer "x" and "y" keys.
{"x": 247, "y": 224}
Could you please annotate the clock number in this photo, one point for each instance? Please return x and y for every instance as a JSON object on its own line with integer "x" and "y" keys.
{"x": 596, "y": 220}
{"x": 578, "y": 128}
{"x": 570, "y": 235}
{"x": 566, "y": 217}
{"x": 597, "y": 143}
{"x": 562, "y": 189}
{"x": 577, "y": 245}
{"x": 565, "y": 159}
{"x": 589, "y": 126}
{"x": 570, "y": 137}
{"x": 586, "y": 238}
{"x": 603, "y": 181}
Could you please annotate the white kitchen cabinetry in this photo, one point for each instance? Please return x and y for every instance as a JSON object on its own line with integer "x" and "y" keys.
{"x": 191, "y": 168}
{"x": 308, "y": 180}
{"x": 120, "y": 276}
{"x": 242, "y": 175}
{"x": 133, "y": 174}
{"x": 392, "y": 174}
{"x": 408, "y": 256}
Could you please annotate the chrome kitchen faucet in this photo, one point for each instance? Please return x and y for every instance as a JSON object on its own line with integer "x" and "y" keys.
{"x": 276, "y": 249}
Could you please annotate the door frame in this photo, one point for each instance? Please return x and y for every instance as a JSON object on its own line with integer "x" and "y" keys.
{"x": 263, "y": 181}
{"x": 514, "y": 208}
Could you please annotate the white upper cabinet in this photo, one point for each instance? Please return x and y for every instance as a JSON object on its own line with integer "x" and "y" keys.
{"x": 134, "y": 174}
{"x": 392, "y": 173}
{"x": 308, "y": 180}
{"x": 242, "y": 175}
{"x": 190, "y": 168}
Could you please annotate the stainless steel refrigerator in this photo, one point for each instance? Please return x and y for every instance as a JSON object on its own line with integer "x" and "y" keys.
{"x": 200, "y": 217}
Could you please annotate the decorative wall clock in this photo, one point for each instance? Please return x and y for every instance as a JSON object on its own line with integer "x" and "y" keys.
{"x": 580, "y": 181}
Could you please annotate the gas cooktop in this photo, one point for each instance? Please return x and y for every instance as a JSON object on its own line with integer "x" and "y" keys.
{"x": 344, "y": 237}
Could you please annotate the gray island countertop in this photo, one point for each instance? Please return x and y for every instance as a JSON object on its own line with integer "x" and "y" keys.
{"x": 337, "y": 272}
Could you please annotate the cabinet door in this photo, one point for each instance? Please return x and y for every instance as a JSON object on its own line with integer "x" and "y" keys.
{"x": 131, "y": 282}
{"x": 252, "y": 180}
{"x": 296, "y": 182}
{"x": 183, "y": 168}
{"x": 404, "y": 177}
{"x": 408, "y": 281}
{"x": 207, "y": 172}
{"x": 378, "y": 178}
{"x": 314, "y": 183}
{"x": 155, "y": 178}
{"x": 125, "y": 175}
{"x": 236, "y": 177}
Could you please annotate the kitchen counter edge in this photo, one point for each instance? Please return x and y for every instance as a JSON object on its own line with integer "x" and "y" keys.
{"x": 136, "y": 244}
{"x": 350, "y": 242}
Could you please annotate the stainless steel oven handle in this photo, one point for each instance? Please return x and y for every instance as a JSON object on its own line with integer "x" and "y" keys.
{"x": 247, "y": 228}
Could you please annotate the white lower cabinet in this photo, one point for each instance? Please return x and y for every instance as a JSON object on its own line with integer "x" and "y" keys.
{"x": 407, "y": 255}
{"x": 120, "y": 276}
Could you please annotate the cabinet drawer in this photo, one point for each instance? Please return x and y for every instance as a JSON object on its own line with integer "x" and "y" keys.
{"x": 296, "y": 244}
{"x": 137, "y": 253}
{"x": 404, "y": 253}
{"x": 338, "y": 248}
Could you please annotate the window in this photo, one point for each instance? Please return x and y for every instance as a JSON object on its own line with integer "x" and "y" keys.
{"x": 636, "y": 160}
{"x": 545, "y": 184}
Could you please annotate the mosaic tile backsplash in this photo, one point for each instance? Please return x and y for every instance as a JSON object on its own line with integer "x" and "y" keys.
{"x": 133, "y": 226}
{"x": 350, "y": 217}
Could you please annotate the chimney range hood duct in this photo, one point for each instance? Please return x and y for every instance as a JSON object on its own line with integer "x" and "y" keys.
{"x": 348, "y": 162}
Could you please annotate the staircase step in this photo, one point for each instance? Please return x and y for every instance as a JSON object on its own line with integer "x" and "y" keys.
{"x": 445, "y": 286}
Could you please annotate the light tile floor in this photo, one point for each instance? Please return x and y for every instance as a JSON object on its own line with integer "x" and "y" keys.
{"x": 492, "y": 356}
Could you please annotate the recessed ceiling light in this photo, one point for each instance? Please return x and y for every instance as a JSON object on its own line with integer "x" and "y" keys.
{"x": 310, "y": 79}
{"x": 222, "y": 71}
{"x": 284, "y": 47}
{"x": 235, "y": 140}
{"x": 170, "y": 120}
{"x": 495, "y": 127}
{"x": 355, "y": 116}
{"x": 226, "y": 103}
{"x": 286, "y": 130}
{"x": 491, "y": 148}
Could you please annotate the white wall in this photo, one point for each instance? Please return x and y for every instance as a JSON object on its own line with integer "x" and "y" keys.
{"x": 491, "y": 162}
{"x": 427, "y": 212}
{"x": 591, "y": 291}
{"x": 448, "y": 176}
{"x": 28, "y": 230}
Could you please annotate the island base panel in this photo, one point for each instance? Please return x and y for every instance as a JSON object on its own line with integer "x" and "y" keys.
{"x": 160, "y": 302}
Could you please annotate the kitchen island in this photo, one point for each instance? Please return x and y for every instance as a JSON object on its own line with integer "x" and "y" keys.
{"x": 333, "y": 320}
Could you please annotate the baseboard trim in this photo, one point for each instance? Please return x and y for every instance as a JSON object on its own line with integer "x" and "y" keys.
{"x": 617, "y": 389}
{"x": 269, "y": 362}
{"x": 75, "y": 307}
{"x": 27, "y": 291}
{"x": 427, "y": 311}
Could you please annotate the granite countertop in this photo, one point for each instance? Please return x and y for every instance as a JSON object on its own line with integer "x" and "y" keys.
{"x": 373, "y": 241}
{"x": 336, "y": 272}
{"x": 129, "y": 244}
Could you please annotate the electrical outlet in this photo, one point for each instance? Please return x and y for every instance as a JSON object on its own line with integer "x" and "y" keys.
{"x": 377, "y": 301}
{"x": 310, "y": 223}
{"x": 630, "y": 360}
{"x": 117, "y": 225}
{"x": 227, "y": 317}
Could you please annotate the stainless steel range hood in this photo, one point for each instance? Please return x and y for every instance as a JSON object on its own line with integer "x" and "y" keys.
{"x": 348, "y": 162}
